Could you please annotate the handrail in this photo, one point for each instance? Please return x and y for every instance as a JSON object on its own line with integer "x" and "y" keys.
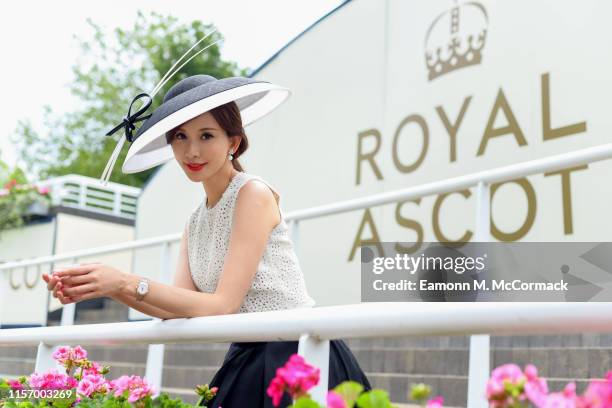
{"x": 496, "y": 175}
{"x": 365, "y": 320}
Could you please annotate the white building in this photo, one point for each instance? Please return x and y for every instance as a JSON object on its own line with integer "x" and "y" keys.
{"x": 391, "y": 94}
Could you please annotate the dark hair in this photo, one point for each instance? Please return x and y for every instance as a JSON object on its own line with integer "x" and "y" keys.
{"x": 228, "y": 117}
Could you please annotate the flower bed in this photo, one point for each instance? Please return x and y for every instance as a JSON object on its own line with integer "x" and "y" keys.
{"x": 84, "y": 384}
{"x": 20, "y": 200}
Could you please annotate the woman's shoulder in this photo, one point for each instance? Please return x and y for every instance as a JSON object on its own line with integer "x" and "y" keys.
{"x": 257, "y": 190}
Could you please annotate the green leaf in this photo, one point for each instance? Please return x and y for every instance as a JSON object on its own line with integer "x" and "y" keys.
{"x": 374, "y": 399}
{"x": 306, "y": 402}
{"x": 349, "y": 391}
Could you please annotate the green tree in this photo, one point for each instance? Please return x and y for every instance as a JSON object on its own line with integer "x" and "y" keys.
{"x": 112, "y": 70}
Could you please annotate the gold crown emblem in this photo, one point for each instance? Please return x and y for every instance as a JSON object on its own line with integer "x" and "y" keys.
{"x": 461, "y": 48}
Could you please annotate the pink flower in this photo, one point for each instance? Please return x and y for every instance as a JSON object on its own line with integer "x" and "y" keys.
{"x": 334, "y": 400}
{"x": 62, "y": 354}
{"x": 15, "y": 384}
{"x": 507, "y": 373}
{"x": 67, "y": 355}
{"x": 92, "y": 383}
{"x": 435, "y": 402}
{"x": 598, "y": 393}
{"x": 536, "y": 388}
{"x": 137, "y": 387}
{"x": 299, "y": 375}
{"x": 94, "y": 369}
{"x": 296, "y": 377}
{"x": 44, "y": 190}
{"x": 565, "y": 399}
{"x": 52, "y": 379}
{"x": 276, "y": 390}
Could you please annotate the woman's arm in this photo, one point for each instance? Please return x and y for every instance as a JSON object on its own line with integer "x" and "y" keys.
{"x": 144, "y": 308}
{"x": 255, "y": 216}
{"x": 182, "y": 279}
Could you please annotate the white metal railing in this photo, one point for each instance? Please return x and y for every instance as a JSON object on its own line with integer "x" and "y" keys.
{"x": 316, "y": 327}
{"x": 86, "y": 193}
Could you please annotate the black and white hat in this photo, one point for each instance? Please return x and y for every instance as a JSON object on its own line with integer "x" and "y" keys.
{"x": 187, "y": 99}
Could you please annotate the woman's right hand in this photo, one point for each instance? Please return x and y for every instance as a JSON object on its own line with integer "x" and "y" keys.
{"x": 55, "y": 284}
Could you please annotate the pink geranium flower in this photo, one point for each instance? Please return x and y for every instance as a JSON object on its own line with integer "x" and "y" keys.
{"x": 15, "y": 384}
{"x": 335, "y": 400}
{"x": 137, "y": 387}
{"x": 507, "y": 373}
{"x": 52, "y": 379}
{"x": 43, "y": 190}
{"x": 92, "y": 383}
{"x": 598, "y": 393}
{"x": 536, "y": 388}
{"x": 296, "y": 377}
{"x": 435, "y": 402}
{"x": 67, "y": 355}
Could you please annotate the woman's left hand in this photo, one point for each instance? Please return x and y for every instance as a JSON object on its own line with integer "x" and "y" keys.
{"x": 90, "y": 281}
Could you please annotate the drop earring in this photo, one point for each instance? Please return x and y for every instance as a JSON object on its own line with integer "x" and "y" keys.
{"x": 231, "y": 155}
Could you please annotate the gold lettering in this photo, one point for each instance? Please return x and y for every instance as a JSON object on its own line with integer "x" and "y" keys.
{"x": 411, "y": 224}
{"x": 420, "y": 121}
{"x": 512, "y": 128}
{"x": 566, "y": 192}
{"x": 374, "y": 240}
{"x": 369, "y": 157}
{"x": 436, "y": 219}
{"x": 531, "y": 211}
{"x": 547, "y": 131}
{"x": 452, "y": 128}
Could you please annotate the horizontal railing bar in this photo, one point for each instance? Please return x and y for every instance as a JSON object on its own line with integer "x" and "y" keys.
{"x": 363, "y": 320}
{"x": 122, "y": 246}
{"x": 505, "y": 173}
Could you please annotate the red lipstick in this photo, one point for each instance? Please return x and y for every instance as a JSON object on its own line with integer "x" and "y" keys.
{"x": 195, "y": 166}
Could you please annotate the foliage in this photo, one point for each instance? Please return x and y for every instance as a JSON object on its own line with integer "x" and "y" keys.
{"x": 84, "y": 385}
{"x": 16, "y": 197}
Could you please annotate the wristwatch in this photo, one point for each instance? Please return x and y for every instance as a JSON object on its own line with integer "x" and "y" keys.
{"x": 142, "y": 289}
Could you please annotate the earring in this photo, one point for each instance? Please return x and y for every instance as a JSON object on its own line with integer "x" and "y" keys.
{"x": 231, "y": 155}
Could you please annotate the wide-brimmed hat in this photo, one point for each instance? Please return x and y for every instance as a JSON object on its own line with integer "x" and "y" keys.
{"x": 184, "y": 101}
{"x": 191, "y": 97}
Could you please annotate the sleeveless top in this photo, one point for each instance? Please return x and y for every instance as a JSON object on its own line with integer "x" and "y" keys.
{"x": 278, "y": 282}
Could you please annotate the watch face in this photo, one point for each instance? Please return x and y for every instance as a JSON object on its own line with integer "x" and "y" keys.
{"x": 142, "y": 288}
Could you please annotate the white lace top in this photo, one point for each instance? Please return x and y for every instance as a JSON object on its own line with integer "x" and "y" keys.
{"x": 278, "y": 283}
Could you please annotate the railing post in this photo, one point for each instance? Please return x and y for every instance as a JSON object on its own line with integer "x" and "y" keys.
{"x": 316, "y": 352}
{"x": 44, "y": 358}
{"x": 69, "y": 310}
{"x": 479, "y": 360}
{"x": 155, "y": 353}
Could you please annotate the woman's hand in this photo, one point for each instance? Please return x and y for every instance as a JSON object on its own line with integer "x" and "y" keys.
{"x": 84, "y": 282}
{"x": 54, "y": 284}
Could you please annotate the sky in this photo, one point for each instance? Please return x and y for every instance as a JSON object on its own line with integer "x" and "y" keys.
{"x": 38, "y": 46}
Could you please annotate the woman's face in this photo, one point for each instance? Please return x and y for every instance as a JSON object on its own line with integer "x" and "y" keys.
{"x": 201, "y": 141}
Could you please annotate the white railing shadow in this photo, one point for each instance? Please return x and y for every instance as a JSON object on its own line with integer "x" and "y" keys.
{"x": 313, "y": 333}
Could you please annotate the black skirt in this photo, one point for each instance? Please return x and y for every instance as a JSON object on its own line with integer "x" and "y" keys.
{"x": 248, "y": 369}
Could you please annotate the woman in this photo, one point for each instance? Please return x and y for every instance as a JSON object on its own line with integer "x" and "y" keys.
{"x": 235, "y": 254}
